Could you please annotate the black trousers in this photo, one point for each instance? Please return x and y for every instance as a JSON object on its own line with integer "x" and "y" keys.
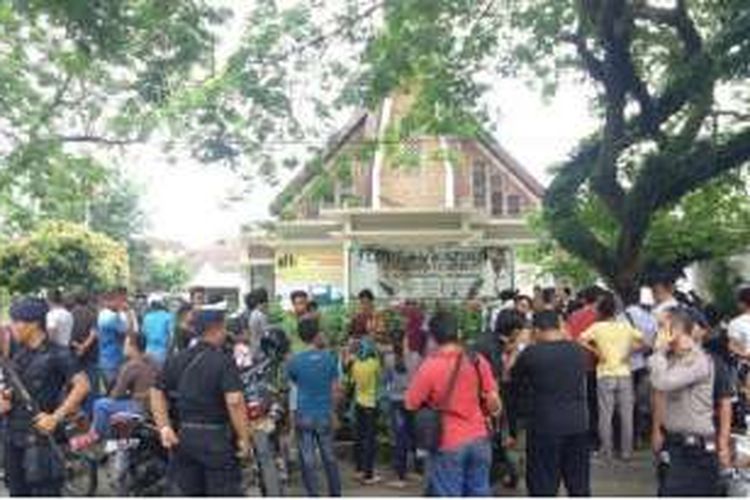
{"x": 692, "y": 472}
{"x": 593, "y": 406}
{"x": 204, "y": 464}
{"x": 17, "y": 478}
{"x": 364, "y": 445}
{"x": 554, "y": 458}
{"x": 642, "y": 407}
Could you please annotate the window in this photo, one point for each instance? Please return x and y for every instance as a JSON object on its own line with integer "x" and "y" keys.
{"x": 479, "y": 184}
{"x": 514, "y": 204}
{"x": 411, "y": 152}
{"x": 496, "y": 196}
{"x": 311, "y": 208}
{"x": 345, "y": 190}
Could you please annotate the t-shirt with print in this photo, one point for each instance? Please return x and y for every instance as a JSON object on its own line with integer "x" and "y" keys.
{"x": 556, "y": 374}
{"x": 463, "y": 418}
{"x": 314, "y": 371}
{"x": 739, "y": 330}
{"x": 615, "y": 341}
{"x": 366, "y": 375}
{"x": 112, "y": 328}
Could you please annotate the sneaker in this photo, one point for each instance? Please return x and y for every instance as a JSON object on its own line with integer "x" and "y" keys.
{"x": 398, "y": 484}
{"x": 358, "y": 476}
{"x": 372, "y": 480}
{"x": 83, "y": 441}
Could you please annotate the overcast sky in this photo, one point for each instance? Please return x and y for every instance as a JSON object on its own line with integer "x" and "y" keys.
{"x": 187, "y": 201}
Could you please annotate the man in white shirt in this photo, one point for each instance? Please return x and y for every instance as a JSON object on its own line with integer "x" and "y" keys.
{"x": 59, "y": 320}
{"x": 662, "y": 289}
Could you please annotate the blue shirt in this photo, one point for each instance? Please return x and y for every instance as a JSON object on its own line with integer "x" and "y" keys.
{"x": 314, "y": 371}
{"x": 157, "y": 328}
{"x": 112, "y": 327}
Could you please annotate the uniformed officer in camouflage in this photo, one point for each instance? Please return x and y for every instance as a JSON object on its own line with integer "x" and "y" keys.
{"x": 208, "y": 430}
{"x": 45, "y": 369}
{"x": 682, "y": 374}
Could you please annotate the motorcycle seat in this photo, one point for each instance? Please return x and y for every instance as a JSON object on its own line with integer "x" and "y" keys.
{"x": 126, "y": 419}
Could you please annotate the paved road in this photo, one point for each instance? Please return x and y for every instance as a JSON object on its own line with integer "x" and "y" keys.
{"x": 635, "y": 478}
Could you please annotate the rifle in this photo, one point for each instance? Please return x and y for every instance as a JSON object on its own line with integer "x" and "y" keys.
{"x": 27, "y": 401}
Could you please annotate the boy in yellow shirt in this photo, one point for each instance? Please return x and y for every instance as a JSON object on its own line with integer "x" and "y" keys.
{"x": 613, "y": 342}
{"x": 365, "y": 373}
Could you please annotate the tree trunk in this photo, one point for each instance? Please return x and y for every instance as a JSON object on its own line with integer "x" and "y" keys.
{"x": 626, "y": 281}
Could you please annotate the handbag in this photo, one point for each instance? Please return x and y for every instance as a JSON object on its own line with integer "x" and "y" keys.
{"x": 429, "y": 421}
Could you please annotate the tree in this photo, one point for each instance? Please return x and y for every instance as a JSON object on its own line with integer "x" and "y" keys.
{"x": 78, "y": 79}
{"x": 168, "y": 276}
{"x": 671, "y": 84}
{"x": 666, "y": 133}
{"x": 62, "y": 255}
{"x": 708, "y": 224}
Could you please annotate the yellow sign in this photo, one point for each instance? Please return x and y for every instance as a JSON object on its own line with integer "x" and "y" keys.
{"x": 310, "y": 266}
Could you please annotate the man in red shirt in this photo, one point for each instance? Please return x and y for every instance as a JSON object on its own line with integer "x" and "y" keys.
{"x": 461, "y": 467}
{"x": 577, "y": 323}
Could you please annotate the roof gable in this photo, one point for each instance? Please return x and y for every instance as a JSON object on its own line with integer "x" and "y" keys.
{"x": 309, "y": 171}
{"x": 296, "y": 187}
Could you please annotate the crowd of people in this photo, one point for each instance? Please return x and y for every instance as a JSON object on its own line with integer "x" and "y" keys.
{"x": 575, "y": 377}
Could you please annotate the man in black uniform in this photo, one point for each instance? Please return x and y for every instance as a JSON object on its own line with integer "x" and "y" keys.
{"x": 203, "y": 386}
{"x": 45, "y": 369}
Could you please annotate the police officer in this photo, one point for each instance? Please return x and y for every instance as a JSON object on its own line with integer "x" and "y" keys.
{"x": 45, "y": 370}
{"x": 209, "y": 432}
{"x": 683, "y": 375}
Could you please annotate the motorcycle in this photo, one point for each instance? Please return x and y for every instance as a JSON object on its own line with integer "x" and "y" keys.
{"x": 266, "y": 405}
{"x": 81, "y": 470}
{"x": 139, "y": 462}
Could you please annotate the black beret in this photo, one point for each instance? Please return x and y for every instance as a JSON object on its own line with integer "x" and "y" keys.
{"x": 29, "y": 310}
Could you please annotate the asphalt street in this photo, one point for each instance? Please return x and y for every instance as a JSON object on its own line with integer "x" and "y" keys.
{"x": 634, "y": 478}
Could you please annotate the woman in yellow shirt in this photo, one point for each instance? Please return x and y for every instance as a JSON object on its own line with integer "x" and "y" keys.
{"x": 365, "y": 374}
{"x": 613, "y": 342}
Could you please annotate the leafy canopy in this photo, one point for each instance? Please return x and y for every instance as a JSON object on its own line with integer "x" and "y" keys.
{"x": 62, "y": 255}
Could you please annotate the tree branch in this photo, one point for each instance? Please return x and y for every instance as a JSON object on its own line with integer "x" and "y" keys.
{"x": 590, "y": 62}
{"x": 94, "y": 139}
{"x": 664, "y": 184}
{"x": 678, "y": 18}
{"x": 731, "y": 113}
{"x": 561, "y": 206}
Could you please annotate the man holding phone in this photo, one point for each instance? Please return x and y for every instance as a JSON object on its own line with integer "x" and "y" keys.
{"x": 683, "y": 374}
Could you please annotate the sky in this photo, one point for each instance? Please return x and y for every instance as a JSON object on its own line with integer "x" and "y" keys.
{"x": 187, "y": 201}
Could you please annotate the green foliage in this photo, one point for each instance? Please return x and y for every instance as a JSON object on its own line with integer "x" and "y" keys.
{"x": 74, "y": 74}
{"x": 710, "y": 223}
{"x": 62, "y": 255}
{"x": 722, "y": 286}
{"x": 167, "y": 276}
{"x": 551, "y": 260}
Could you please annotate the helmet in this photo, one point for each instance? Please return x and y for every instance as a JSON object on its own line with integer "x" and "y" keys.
{"x": 274, "y": 343}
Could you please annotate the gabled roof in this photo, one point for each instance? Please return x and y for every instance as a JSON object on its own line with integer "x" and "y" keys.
{"x": 339, "y": 139}
{"x": 309, "y": 170}
{"x": 511, "y": 163}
